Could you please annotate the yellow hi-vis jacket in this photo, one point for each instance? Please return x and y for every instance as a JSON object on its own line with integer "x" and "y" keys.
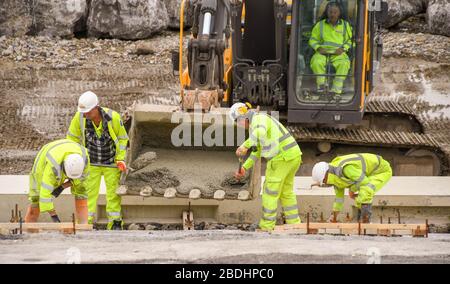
{"x": 362, "y": 173}
{"x": 272, "y": 140}
{"x": 331, "y": 38}
{"x": 48, "y": 173}
{"x": 115, "y": 127}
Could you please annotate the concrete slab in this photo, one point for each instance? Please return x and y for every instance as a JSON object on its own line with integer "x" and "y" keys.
{"x": 416, "y": 198}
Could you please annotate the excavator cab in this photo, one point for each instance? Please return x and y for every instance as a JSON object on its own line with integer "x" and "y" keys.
{"x": 312, "y": 91}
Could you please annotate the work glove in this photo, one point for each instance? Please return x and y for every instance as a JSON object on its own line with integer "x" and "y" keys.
{"x": 57, "y": 191}
{"x": 332, "y": 218}
{"x": 121, "y": 166}
{"x": 241, "y": 151}
{"x": 352, "y": 194}
{"x": 365, "y": 213}
{"x": 55, "y": 219}
{"x": 240, "y": 174}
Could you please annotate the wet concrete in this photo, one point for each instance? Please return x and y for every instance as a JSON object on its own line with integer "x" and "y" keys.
{"x": 186, "y": 170}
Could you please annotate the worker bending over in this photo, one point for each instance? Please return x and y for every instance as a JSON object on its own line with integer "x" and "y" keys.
{"x": 58, "y": 165}
{"x": 102, "y": 132}
{"x": 273, "y": 142}
{"x": 331, "y": 39}
{"x": 362, "y": 174}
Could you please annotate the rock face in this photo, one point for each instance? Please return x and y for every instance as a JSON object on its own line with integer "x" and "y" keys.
{"x": 173, "y": 10}
{"x": 59, "y": 18}
{"x": 400, "y": 10}
{"x": 15, "y": 18}
{"x": 42, "y": 17}
{"x": 127, "y": 19}
{"x": 438, "y": 17}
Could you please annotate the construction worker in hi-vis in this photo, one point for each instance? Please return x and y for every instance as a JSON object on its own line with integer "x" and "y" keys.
{"x": 363, "y": 174}
{"x": 331, "y": 39}
{"x": 102, "y": 132}
{"x": 58, "y": 165}
{"x": 272, "y": 141}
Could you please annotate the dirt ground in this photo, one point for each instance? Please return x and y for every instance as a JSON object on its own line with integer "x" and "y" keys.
{"x": 221, "y": 246}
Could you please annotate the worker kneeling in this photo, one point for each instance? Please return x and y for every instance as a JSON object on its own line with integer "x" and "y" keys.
{"x": 331, "y": 39}
{"x": 362, "y": 174}
{"x": 272, "y": 141}
{"x": 58, "y": 165}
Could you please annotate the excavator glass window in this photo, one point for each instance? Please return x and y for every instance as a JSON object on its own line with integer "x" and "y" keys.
{"x": 326, "y": 48}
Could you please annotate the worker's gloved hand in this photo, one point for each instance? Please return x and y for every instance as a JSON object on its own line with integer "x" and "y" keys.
{"x": 240, "y": 174}
{"x": 365, "y": 213}
{"x": 121, "y": 166}
{"x": 57, "y": 191}
{"x": 339, "y": 51}
{"x": 241, "y": 151}
{"x": 322, "y": 51}
{"x": 55, "y": 219}
{"x": 352, "y": 194}
{"x": 332, "y": 218}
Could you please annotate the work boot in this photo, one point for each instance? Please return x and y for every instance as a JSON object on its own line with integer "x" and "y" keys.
{"x": 321, "y": 90}
{"x": 117, "y": 225}
{"x": 336, "y": 97}
{"x": 253, "y": 227}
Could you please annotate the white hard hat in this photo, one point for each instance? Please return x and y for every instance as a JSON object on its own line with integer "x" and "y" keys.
{"x": 74, "y": 166}
{"x": 238, "y": 110}
{"x": 87, "y": 102}
{"x": 319, "y": 171}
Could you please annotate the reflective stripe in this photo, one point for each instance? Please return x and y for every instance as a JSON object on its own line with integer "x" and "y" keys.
{"x": 271, "y": 192}
{"x": 102, "y": 165}
{"x": 290, "y": 217}
{"x": 253, "y": 158}
{"x": 268, "y": 211}
{"x": 329, "y": 43}
{"x": 260, "y": 126}
{"x": 122, "y": 137}
{"x": 321, "y": 29}
{"x": 73, "y": 135}
{"x": 289, "y": 208}
{"x": 46, "y": 186}
{"x": 379, "y": 163}
{"x": 122, "y": 147}
{"x": 289, "y": 146}
{"x": 56, "y": 166}
{"x": 82, "y": 120}
{"x": 113, "y": 213}
{"x": 339, "y": 200}
{"x": 80, "y": 197}
{"x": 284, "y": 137}
{"x": 337, "y": 171}
{"x": 363, "y": 171}
{"x": 110, "y": 113}
{"x": 253, "y": 138}
{"x": 267, "y": 148}
{"x": 269, "y": 218}
{"x": 371, "y": 186}
{"x": 46, "y": 200}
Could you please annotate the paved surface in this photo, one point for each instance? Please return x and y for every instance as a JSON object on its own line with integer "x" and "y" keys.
{"x": 216, "y": 246}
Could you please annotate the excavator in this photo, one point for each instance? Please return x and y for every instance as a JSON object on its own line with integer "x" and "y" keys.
{"x": 259, "y": 51}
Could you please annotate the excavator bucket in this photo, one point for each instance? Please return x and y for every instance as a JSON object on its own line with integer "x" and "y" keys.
{"x": 178, "y": 154}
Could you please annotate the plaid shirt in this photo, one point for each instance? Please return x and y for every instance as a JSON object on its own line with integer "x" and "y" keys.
{"x": 102, "y": 150}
